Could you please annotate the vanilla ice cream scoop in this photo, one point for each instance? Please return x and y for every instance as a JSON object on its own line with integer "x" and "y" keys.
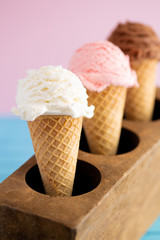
{"x": 51, "y": 90}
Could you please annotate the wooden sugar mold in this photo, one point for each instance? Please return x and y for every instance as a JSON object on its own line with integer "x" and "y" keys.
{"x": 115, "y": 197}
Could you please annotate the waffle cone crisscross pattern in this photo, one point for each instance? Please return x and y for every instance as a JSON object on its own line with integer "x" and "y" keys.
{"x": 56, "y": 142}
{"x": 103, "y": 130}
{"x": 140, "y": 101}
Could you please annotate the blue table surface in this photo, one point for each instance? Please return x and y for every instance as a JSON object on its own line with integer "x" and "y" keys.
{"x": 16, "y": 148}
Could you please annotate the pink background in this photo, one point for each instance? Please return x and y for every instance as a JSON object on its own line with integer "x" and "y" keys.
{"x": 41, "y": 32}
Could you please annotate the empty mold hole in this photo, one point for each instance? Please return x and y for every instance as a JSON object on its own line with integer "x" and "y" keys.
{"x": 156, "y": 113}
{"x": 87, "y": 178}
{"x": 128, "y": 141}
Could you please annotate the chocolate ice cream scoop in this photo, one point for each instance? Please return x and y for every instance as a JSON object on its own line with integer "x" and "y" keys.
{"x": 136, "y": 40}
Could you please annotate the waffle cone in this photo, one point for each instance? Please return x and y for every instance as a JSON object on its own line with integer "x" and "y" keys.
{"x": 103, "y": 130}
{"x": 140, "y": 101}
{"x": 158, "y": 93}
{"x": 56, "y": 142}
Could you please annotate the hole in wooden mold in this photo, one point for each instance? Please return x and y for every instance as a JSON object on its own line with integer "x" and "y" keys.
{"x": 128, "y": 141}
{"x": 156, "y": 113}
{"x": 87, "y": 178}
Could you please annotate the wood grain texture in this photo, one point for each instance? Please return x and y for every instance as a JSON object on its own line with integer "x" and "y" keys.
{"x": 121, "y": 207}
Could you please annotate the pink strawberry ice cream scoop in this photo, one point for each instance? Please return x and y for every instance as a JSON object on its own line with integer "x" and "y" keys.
{"x": 101, "y": 64}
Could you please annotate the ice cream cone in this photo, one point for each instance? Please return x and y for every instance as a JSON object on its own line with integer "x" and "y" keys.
{"x": 56, "y": 142}
{"x": 140, "y": 101}
{"x": 53, "y": 101}
{"x": 158, "y": 93}
{"x": 105, "y": 72}
{"x": 103, "y": 130}
{"x": 142, "y": 45}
